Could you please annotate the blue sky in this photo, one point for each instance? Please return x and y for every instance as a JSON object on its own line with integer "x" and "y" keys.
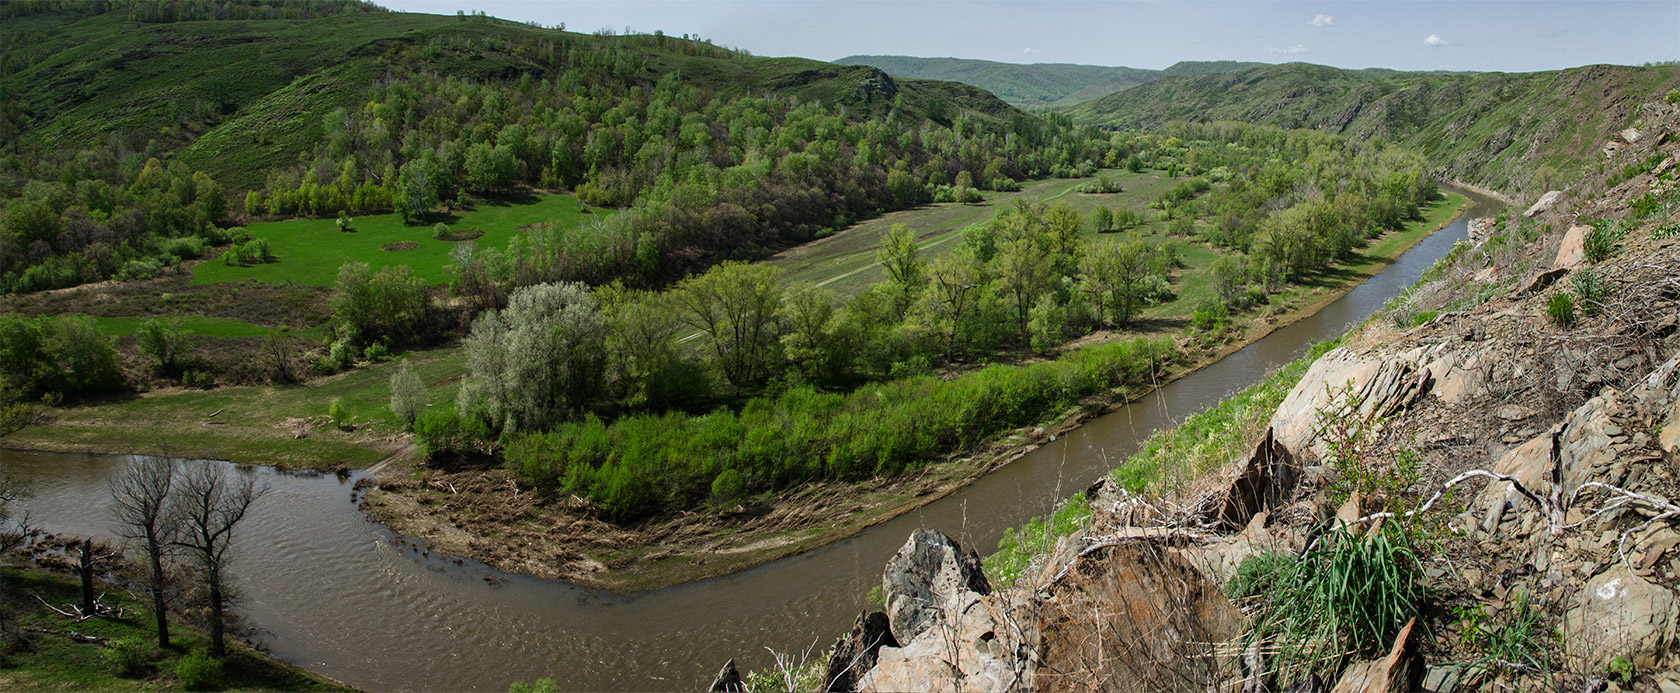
{"x": 1507, "y": 36}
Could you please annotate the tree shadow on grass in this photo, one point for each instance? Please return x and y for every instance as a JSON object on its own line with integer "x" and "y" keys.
{"x": 509, "y": 199}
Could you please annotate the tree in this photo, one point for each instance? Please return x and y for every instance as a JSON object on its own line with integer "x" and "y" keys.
{"x": 954, "y": 284}
{"x": 1022, "y": 266}
{"x": 734, "y": 305}
{"x": 810, "y": 340}
{"x": 642, "y": 359}
{"x": 905, "y": 271}
{"x": 418, "y": 187}
{"x": 1119, "y": 278}
{"x": 140, "y": 498}
{"x": 539, "y": 361}
{"x": 165, "y": 342}
{"x": 210, "y": 507}
{"x": 408, "y": 394}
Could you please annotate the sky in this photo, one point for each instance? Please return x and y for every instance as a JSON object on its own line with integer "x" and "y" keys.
{"x": 1502, "y": 35}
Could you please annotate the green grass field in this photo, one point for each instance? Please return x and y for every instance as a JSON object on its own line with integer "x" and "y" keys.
{"x": 845, "y": 261}
{"x": 310, "y": 251}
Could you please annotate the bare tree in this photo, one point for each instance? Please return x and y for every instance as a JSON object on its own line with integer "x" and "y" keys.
{"x": 209, "y": 505}
{"x": 140, "y": 500}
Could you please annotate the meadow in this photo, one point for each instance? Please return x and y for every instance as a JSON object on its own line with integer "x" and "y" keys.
{"x": 310, "y": 251}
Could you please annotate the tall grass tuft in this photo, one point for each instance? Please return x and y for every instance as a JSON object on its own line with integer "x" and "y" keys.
{"x": 1343, "y": 601}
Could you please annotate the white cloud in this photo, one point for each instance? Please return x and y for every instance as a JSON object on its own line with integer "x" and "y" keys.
{"x": 1297, "y": 49}
{"x": 1323, "y": 20}
{"x": 1436, "y": 40}
{"x": 1030, "y": 49}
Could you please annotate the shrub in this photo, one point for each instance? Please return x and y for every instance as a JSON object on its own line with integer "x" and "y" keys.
{"x": 1210, "y": 316}
{"x": 128, "y": 657}
{"x": 1673, "y": 96}
{"x": 408, "y": 394}
{"x": 1343, "y": 600}
{"x": 1560, "y": 309}
{"x": 344, "y": 223}
{"x": 442, "y": 433}
{"x": 1590, "y": 289}
{"x": 339, "y": 413}
{"x": 1601, "y": 242}
{"x": 198, "y": 671}
{"x": 377, "y": 352}
{"x": 440, "y": 231}
{"x": 139, "y": 268}
{"x": 167, "y": 343}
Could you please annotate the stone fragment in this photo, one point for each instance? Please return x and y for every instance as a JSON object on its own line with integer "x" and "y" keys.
{"x": 1544, "y": 203}
{"x": 1396, "y": 673}
{"x": 1619, "y": 614}
{"x": 1572, "y": 250}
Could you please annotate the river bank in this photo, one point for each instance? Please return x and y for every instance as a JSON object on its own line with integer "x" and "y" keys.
{"x": 344, "y": 596}
{"x": 483, "y": 514}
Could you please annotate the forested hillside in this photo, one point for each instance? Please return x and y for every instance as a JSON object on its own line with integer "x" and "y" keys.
{"x": 131, "y": 124}
{"x": 1518, "y": 133}
{"x": 1038, "y": 84}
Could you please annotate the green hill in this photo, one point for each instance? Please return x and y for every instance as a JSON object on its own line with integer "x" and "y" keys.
{"x": 1512, "y": 132}
{"x": 238, "y": 97}
{"x": 128, "y": 125}
{"x": 1037, "y": 84}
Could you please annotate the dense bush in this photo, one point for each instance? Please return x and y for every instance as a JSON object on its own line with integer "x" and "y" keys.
{"x": 56, "y": 357}
{"x": 198, "y": 671}
{"x": 647, "y": 463}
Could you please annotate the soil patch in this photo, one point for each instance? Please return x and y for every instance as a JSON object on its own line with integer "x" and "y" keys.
{"x": 400, "y": 246}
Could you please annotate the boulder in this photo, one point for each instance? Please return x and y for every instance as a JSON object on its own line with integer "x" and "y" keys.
{"x": 929, "y": 575}
{"x": 728, "y": 679}
{"x": 1397, "y": 673}
{"x": 1619, "y": 614}
{"x": 1135, "y": 617}
{"x": 1544, "y": 203}
{"x": 856, "y": 652}
{"x": 973, "y": 647}
{"x": 1629, "y": 135}
{"x": 1573, "y": 249}
{"x": 1267, "y": 481}
{"x": 1541, "y": 280}
{"x": 1377, "y": 385}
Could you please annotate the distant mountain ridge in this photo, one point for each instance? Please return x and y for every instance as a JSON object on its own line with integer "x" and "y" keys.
{"x": 1037, "y": 84}
{"x": 1507, "y": 131}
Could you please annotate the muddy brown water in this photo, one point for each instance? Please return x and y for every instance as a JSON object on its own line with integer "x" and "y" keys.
{"x": 339, "y": 594}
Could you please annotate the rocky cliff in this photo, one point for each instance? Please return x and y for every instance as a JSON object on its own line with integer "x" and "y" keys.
{"x": 1475, "y": 492}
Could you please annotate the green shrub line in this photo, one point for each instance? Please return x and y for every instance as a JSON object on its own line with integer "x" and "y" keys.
{"x": 646, "y": 463}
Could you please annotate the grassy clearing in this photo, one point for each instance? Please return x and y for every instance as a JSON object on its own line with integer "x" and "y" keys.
{"x": 845, "y": 261}
{"x": 52, "y": 661}
{"x": 310, "y": 251}
{"x": 255, "y": 424}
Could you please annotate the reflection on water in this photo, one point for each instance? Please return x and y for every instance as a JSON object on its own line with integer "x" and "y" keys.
{"x": 339, "y": 594}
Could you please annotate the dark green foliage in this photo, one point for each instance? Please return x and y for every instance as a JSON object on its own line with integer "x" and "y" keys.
{"x": 443, "y": 434}
{"x": 56, "y": 357}
{"x": 1560, "y": 309}
{"x": 642, "y": 464}
{"x": 390, "y": 304}
{"x": 129, "y": 657}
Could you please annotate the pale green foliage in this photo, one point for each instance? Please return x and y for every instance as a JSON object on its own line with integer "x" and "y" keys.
{"x": 948, "y": 307}
{"x": 408, "y": 394}
{"x": 537, "y": 362}
{"x": 1048, "y": 323}
{"x": 641, "y": 348}
{"x": 1121, "y": 278}
{"x": 906, "y": 273}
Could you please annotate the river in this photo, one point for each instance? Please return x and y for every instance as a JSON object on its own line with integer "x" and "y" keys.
{"x": 339, "y": 594}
